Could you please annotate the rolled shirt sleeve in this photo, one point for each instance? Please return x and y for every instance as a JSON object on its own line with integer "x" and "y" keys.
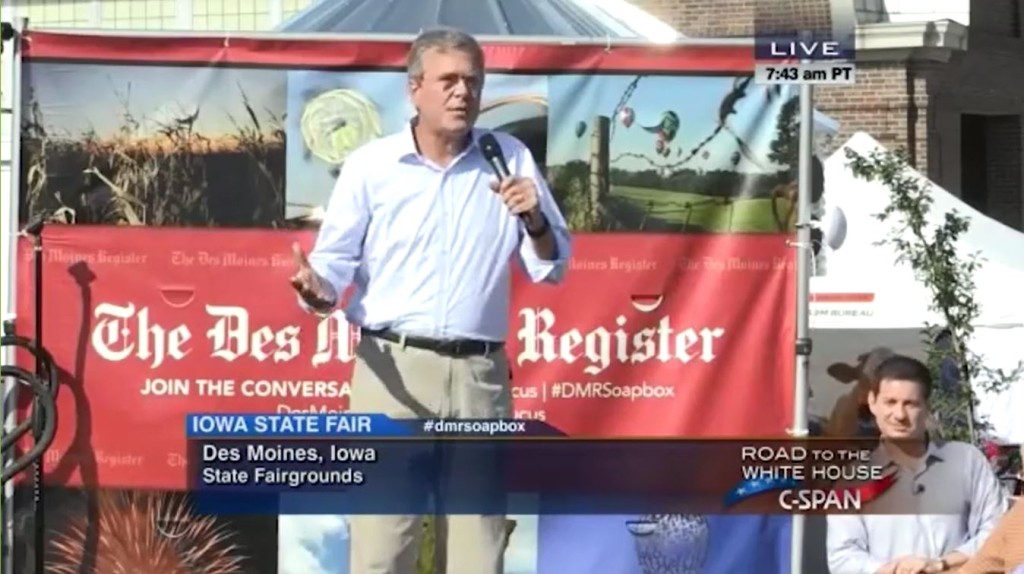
{"x": 847, "y": 546}
{"x": 339, "y": 244}
{"x": 543, "y": 270}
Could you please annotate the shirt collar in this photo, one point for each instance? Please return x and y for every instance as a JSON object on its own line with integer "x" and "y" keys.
{"x": 407, "y": 148}
{"x": 935, "y": 453}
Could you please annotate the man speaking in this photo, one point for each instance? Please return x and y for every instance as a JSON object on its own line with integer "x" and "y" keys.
{"x": 424, "y": 229}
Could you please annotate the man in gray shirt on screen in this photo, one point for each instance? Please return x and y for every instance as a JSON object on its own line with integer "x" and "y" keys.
{"x": 947, "y": 498}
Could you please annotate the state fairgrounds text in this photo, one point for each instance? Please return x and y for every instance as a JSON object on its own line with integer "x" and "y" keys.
{"x": 679, "y": 211}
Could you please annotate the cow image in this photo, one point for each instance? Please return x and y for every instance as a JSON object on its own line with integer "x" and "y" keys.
{"x": 850, "y": 416}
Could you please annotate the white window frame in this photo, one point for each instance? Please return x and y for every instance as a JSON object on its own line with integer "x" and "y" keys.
{"x": 184, "y": 13}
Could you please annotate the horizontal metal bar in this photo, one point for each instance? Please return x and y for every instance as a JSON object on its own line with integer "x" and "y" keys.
{"x": 336, "y": 37}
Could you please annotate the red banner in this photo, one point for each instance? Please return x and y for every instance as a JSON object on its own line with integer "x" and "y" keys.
{"x": 650, "y": 335}
{"x": 367, "y": 52}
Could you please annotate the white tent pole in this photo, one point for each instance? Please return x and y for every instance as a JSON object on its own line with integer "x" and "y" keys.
{"x": 10, "y": 232}
{"x": 804, "y": 252}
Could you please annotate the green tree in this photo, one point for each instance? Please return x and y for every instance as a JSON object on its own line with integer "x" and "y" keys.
{"x": 784, "y": 150}
{"x": 930, "y": 246}
{"x": 570, "y": 184}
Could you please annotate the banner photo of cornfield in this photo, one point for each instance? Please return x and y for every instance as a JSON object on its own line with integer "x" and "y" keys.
{"x": 175, "y": 174}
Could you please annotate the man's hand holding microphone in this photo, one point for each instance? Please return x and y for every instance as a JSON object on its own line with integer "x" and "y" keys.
{"x": 312, "y": 288}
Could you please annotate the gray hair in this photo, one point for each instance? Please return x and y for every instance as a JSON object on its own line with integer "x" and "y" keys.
{"x": 444, "y": 39}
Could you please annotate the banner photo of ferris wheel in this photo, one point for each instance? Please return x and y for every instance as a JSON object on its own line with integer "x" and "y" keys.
{"x": 181, "y": 171}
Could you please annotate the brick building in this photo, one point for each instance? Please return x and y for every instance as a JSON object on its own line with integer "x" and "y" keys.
{"x": 942, "y": 78}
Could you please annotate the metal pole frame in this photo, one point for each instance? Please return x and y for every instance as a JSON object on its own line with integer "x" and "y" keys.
{"x": 12, "y": 217}
{"x": 609, "y": 42}
{"x": 803, "y": 243}
{"x": 804, "y": 253}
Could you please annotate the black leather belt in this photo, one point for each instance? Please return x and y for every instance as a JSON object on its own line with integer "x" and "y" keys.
{"x": 451, "y": 348}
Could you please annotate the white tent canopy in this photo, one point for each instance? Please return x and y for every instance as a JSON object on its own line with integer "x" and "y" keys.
{"x": 865, "y": 293}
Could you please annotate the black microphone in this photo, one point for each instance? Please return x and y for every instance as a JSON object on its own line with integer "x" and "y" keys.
{"x": 918, "y": 488}
{"x": 491, "y": 149}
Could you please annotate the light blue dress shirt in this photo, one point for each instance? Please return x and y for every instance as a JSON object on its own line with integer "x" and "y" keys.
{"x": 951, "y": 503}
{"x": 428, "y": 247}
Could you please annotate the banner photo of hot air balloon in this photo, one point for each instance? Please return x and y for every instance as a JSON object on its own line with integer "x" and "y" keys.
{"x": 699, "y": 154}
{"x": 332, "y": 113}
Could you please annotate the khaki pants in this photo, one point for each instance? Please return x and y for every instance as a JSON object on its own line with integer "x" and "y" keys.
{"x": 405, "y": 382}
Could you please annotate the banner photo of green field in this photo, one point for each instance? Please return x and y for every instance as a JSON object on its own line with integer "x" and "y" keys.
{"x": 646, "y": 149}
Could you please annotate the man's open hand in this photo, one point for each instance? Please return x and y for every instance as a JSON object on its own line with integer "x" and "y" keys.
{"x": 308, "y": 284}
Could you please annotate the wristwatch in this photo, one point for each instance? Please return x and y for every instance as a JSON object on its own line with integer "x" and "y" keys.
{"x": 540, "y": 231}
{"x": 942, "y": 565}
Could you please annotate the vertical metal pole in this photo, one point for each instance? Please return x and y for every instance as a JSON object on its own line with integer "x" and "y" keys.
{"x": 184, "y": 15}
{"x": 38, "y": 487}
{"x": 275, "y": 15}
{"x": 801, "y": 389}
{"x": 96, "y": 14}
{"x": 11, "y": 202}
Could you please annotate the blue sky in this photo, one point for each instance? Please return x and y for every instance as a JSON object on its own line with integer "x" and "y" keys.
{"x": 521, "y": 555}
{"x": 312, "y": 544}
{"x": 309, "y": 180}
{"x": 78, "y": 97}
{"x": 695, "y": 99}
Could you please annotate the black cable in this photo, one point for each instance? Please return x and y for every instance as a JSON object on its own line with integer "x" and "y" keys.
{"x": 45, "y": 383}
{"x": 43, "y": 419}
{"x": 41, "y": 355}
{"x": 43, "y": 425}
{"x": 39, "y": 538}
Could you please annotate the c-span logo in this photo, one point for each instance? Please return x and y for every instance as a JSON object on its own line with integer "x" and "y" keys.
{"x": 794, "y": 496}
